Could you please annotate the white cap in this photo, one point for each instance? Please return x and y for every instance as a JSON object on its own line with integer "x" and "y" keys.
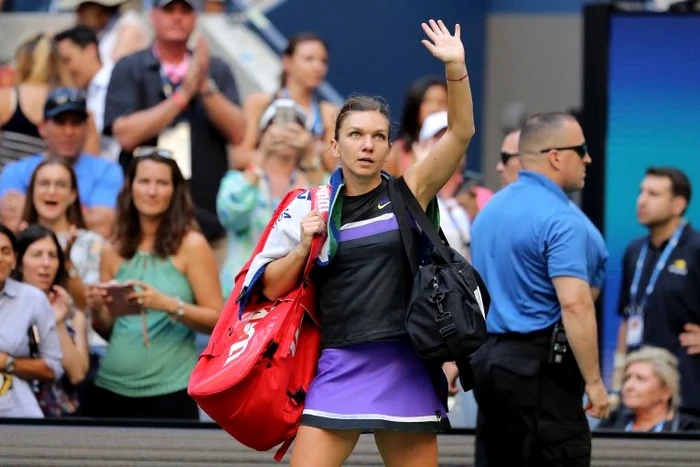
{"x": 269, "y": 113}
{"x": 433, "y": 124}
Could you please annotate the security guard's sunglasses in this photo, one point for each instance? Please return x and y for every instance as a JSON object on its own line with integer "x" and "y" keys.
{"x": 506, "y": 156}
{"x": 581, "y": 149}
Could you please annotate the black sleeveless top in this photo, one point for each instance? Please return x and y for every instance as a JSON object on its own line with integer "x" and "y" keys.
{"x": 19, "y": 137}
{"x": 363, "y": 292}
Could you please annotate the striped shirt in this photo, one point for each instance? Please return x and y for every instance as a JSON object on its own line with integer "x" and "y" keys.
{"x": 15, "y": 146}
{"x": 21, "y": 307}
{"x": 19, "y": 136}
{"x": 363, "y": 293}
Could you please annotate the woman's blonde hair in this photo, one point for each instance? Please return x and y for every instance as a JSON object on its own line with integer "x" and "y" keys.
{"x": 665, "y": 366}
{"x": 36, "y": 62}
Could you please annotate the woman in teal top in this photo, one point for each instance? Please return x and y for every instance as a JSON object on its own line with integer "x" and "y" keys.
{"x": 247, "y": 199}
{"x": 158, "y": 248}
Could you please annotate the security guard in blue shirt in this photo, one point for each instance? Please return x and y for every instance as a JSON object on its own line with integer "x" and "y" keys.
{"x": 542, "y": 349}
{"x": 596, "y": 249}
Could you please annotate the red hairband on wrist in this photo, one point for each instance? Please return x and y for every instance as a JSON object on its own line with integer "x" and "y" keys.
{"x": 460, "y": 79}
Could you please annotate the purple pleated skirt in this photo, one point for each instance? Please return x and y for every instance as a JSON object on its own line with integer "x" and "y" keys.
{"x": 374, "y": 385}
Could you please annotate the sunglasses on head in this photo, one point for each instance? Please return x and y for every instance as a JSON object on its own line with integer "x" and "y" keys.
{"x": 505, "y": 157}
{"x": 146, "y": 151}
{"x": 65, "y": 95}
{"x": 581, "y": 149}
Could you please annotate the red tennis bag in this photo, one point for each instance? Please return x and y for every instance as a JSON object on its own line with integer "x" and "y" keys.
{"x": 252, "y": 377}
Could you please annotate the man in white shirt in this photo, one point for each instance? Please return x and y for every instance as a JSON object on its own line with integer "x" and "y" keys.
{"x": 78, "y": 50}
{"x": 120, "y": 29}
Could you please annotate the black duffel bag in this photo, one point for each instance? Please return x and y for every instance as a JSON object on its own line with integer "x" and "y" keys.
{"x": 446, "y": 315}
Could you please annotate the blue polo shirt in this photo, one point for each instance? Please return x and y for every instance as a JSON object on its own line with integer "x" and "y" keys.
{"x": 99, "y": 180}
{"x": 526, "y": 235}
{"x": 596, "y": 251}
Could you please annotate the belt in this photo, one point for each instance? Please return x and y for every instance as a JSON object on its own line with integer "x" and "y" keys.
{"x": 535, "y": 337}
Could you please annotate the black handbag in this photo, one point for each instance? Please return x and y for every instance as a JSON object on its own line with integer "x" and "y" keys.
{"x": 446, "y": 314}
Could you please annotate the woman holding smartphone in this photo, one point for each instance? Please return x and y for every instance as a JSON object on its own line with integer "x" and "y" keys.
{"x": 40, "y": 263}
{"x": 158, "y": 249}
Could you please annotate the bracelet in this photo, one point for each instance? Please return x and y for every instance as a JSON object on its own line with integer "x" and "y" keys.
{"x": 179, "y": 100}
{"x": 460, "y": 79}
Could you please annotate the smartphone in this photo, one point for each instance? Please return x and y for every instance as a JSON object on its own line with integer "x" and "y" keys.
{"x": 120, "y": 304}
{"x": 284, "y": 115}
{"x": 34, "y": 340}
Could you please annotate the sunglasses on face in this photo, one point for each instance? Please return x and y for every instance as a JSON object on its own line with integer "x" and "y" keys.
{"x": 146, "y": 151}
{"x": 505, "y": 157}
{"x": 581, "y": 149}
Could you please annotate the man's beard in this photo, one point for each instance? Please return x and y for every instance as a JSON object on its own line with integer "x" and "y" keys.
{"x": 656, "y": 223}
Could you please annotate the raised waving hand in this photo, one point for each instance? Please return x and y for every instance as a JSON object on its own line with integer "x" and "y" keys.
{"x": 426, "y": 177}
{"x": 446, "y": 47}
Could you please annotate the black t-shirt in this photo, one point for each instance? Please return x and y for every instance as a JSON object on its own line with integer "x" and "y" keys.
{"x": 136, "y": 84}
{"x": 364, "y": 291}
{"x": 674, "y": 302}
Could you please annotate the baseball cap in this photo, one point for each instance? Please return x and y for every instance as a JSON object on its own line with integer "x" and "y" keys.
{"x": 194, "y": 4}
{"x": 432, "y": 125}
{"x": 269, "y": 113}
{"x": 63, "y": 100}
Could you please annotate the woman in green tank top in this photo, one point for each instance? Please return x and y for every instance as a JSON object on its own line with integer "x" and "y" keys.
{"x": 159, "y": 249}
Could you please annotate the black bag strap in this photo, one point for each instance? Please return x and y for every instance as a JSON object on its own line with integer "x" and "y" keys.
{"x": 440, "y": 245}
{"x": 437, "y": 239}
{"x": 401, "y": 213}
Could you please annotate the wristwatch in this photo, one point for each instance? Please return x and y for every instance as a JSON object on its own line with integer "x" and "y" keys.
{"x": 180, "y": 312}
{"x": 9, "y": 365}
{"x": 212, "y": 88}
{"x": 315, "y": 165}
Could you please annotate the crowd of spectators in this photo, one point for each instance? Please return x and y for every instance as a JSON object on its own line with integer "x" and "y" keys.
{"x": 136, "y": 182}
